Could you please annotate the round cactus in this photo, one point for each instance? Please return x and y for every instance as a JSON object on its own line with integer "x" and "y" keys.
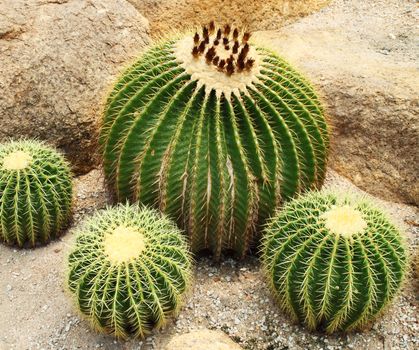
{"x": 334, "y": 262}
{"x": 128, "y": 270}
{"x": 35, "y": 193}
{"x": 215, "y": 132}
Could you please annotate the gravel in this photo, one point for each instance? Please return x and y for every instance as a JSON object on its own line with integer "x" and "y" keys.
{"x": 231, "y": 296}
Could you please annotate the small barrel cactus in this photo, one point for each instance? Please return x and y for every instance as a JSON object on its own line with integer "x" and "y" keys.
{"x": 128, "y": 270}
{"x": 334, "y": 262}
{"x": 35, "y": 193}
{"x": 216, "y": 133}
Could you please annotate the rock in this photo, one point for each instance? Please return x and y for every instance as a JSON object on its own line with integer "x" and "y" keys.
{"x": 169, "y": 15}
{"x": 58, "y": 58}
{"x": 371, "y": 98}
{"x": 202, "y": 340}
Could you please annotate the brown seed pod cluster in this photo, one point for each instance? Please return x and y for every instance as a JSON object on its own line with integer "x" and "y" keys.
{"x": 212, "y": 39}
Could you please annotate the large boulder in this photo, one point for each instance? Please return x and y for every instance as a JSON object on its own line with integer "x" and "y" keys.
{"x": 362, "y": 60}
{"x": 168, "y": 15}
{"x": 58, "y": 58}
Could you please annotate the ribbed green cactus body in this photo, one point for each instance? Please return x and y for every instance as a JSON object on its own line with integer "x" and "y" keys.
{"x": 217, "y": 163}
{"x": 334, "y": 263}
{"x": 128, "y": 270}
{"x": 35, "y": 193}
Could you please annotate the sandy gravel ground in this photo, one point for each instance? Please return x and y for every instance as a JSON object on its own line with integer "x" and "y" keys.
{"x": 37, "y": 312}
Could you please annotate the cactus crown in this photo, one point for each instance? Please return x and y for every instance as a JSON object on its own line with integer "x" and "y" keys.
{"x": 35, "y": 193}
{"x": 216, "y": 132}
{"x": 334, "y": 262}
{"x": 17, "y": 160}
{"x": 221, "y": 59}
{"x": 128, "y": 270}
{"x": 344, "y": 220}
{"x": 123, "y": 244}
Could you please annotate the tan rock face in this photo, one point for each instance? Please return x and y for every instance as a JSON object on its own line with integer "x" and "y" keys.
{"x": 202, "y": 340}
{"x": 371, "y": 94}
{"x": 57, "y": 61}
{"x": 169, "y": 15}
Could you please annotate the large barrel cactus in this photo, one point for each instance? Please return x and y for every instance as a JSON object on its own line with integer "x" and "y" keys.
{"x": 128, "y": 270}
{"x": 334, "y": 262}
{"x": 35, "y": 193}
{"x": 216, "y": 133}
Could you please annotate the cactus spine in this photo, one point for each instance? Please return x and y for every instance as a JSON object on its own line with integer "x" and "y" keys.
{"x": 35, "y": 193}
{"x": 215, "y": 132}
{"x": 334, "y": 262}
{"x": 128, "y": 270}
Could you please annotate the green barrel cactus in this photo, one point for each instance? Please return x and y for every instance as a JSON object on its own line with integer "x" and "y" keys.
{"x": 215, "y": 132}
{"x": 128, "y": 270}
{"x": 35, "y": 193}
{"x": 334, "y": 262}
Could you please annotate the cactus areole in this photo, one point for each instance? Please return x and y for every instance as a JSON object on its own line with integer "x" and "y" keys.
{"x": 334, "y": 262}
{"x": 216, "y": 132}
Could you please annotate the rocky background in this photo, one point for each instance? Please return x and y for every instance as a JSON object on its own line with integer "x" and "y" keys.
{"x": 58, "y": 59}
{"x": 166, "y": 16}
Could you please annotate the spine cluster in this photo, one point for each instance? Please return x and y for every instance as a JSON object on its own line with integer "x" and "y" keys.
{"x": 233, "y": 45}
